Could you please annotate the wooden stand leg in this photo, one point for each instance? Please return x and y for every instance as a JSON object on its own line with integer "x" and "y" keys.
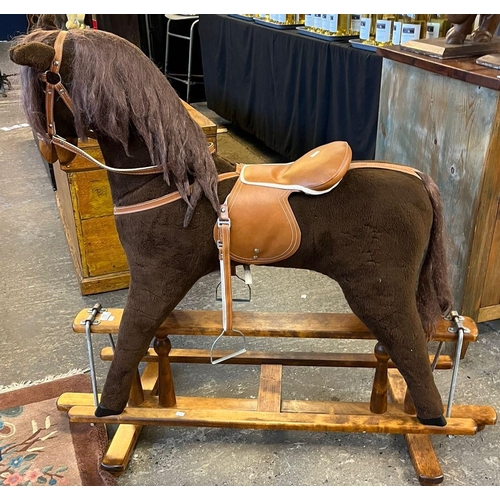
{"x": 378, "y": 400}
{"x": 166, "y": 391}
{"x": 136, "y": 393}
{"x": 422, "y": 453}
{"x": 125, "y": 438}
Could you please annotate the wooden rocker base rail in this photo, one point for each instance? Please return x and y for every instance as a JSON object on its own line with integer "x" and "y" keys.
{"x": 262, "y": 324}
{"x": 73, "y": 402}
{"x": 259, "y": 420}
{"x": 423, "y": 456}
{"x": 318, "y": 359}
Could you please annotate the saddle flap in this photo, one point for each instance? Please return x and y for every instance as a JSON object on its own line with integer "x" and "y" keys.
{"x": 316, "y": 172}
{"x": 263, "y": 227}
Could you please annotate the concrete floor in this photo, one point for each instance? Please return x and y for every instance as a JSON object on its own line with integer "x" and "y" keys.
{"x": 40, "y": 297}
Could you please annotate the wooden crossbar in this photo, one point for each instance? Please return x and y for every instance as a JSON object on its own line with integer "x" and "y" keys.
{"x": 264, "y": 324}
{"x": 269, "y": 420}
{"x": 482, "y": 415}
{"x": 326, "y": 359}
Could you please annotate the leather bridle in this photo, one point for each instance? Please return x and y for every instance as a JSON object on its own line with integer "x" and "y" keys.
{"x": 53, "y": 86}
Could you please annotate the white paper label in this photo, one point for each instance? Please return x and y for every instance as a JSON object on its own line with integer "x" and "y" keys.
{"x": 325, "y": 22}
{"x": 364, "y": 28}
{"x": 410, "y": 32}
{"x": 355, "y": 19}
{"x": 432, "y": 30}
{"x": 333, "y": 22}
{"x": 317, "y": 21}
{"x": 384, "y": 30}
{"x": 309, "y": 21}
{"x": 396, "y": 33}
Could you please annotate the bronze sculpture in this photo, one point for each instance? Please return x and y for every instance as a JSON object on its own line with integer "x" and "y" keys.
{"x": 462, "y": 27}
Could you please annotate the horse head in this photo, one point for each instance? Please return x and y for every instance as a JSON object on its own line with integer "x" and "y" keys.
{"x": 131, "y": 117}
{"x": 44, "y": 71}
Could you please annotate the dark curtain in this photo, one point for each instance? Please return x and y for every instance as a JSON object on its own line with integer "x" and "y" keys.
{"x": 291, "y": 91}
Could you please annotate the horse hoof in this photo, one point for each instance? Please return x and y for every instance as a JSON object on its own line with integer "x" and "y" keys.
{"x": 101, "y": 411}
{"x": 455, "y": 38}
{"x": 481, "y": 36}
{"x": 439, "y": 421}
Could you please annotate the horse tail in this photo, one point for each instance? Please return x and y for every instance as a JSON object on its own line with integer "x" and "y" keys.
{"x": 434, "y": 298}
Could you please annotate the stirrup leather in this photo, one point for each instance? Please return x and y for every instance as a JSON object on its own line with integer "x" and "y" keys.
{"x": 223, "y": 244}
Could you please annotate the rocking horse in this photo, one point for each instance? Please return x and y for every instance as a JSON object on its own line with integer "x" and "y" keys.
{"x": 182, "y": 213}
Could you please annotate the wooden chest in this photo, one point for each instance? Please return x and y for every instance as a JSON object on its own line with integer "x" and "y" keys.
{"x": 84, "y": 200}
{"x": 443, "y": 117}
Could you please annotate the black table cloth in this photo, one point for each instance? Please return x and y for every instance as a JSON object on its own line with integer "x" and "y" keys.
{"x": 289, "y": 90}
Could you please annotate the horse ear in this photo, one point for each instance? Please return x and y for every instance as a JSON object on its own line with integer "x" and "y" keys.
{"x": 34, "y": 54}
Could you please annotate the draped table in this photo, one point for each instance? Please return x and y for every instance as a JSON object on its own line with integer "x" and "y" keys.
{"x": 289, "y": 90}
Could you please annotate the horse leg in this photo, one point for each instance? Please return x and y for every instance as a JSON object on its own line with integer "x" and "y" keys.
{"x": 147, "y": 306}
{"x": 389, "y": 310}
{"x": 462, "y": 26}
{"x": 488, "y": 24}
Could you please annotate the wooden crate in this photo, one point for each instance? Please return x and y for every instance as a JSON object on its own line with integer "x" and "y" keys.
{"x": 86, "y": 208}
{"x": 443, "y": 117}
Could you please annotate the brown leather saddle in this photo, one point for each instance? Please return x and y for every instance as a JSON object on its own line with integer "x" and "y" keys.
{"x": 263, "y": 227}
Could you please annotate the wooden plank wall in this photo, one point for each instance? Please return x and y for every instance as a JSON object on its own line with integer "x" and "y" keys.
{"x": 443, "y": 127}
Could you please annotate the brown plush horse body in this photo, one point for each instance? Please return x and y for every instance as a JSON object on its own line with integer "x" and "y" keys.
{"x": 378, "y": 233}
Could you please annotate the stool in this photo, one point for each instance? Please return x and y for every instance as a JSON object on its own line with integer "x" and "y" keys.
{"x": 188, "y": 78}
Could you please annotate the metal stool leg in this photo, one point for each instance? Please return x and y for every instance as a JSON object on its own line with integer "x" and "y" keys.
{"x": 188, "y": 77}
{"x": 190, "y": 59}
{"x": 165, "y": 69}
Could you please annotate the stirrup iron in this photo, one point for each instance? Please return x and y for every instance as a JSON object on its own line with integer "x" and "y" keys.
{"x": 247, "y": 280}
{"x": 230, "y": 355}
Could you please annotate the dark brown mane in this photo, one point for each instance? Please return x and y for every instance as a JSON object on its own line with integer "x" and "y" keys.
{"x": 115, "y": 87}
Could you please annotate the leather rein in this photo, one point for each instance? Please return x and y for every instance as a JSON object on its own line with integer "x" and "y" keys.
{"x": 53, "y": 86}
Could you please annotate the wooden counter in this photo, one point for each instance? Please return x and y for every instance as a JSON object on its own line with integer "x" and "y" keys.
{"x": 442, "y": 117}
{"x": 86, "y": 208}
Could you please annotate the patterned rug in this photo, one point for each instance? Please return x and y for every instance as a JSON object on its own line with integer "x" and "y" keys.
{"x": 38, "y": 444}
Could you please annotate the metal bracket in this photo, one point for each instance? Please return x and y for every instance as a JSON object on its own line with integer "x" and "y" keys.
{"x": 459, "y": 329}
{"x": 89, "y": 321}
